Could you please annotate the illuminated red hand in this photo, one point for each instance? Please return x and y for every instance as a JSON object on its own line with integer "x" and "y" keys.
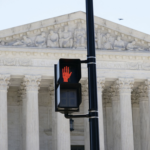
{"x": 65, "y": 74}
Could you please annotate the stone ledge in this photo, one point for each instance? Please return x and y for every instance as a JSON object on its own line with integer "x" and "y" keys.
{"x": 55, "y": 54}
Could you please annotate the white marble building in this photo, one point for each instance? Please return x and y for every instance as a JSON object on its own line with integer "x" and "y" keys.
{"x": 28, "y": 53}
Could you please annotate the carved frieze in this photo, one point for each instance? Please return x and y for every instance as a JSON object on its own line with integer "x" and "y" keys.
{"x": 49, "y": 61}
{"x": 73, "y": 35}
{"x": 15, "y": 62}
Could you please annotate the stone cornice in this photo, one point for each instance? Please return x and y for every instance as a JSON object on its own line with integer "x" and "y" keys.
{"x": 47, "y": 57}
{"x": 54, "y": 53}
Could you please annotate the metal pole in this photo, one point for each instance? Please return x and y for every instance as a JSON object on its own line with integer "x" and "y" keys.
{"x": 92, "y": 77}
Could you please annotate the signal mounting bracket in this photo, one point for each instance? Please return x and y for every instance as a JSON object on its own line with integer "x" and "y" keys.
{"x": 90, "y": 115}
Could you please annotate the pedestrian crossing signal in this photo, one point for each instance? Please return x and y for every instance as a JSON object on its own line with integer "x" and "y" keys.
{"x": 67, "y": 88}
{"x": 65, "y": 74}
{"x": 68, "y": 70}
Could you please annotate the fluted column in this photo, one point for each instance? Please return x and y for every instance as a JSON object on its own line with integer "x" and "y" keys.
{"x": 86, "y": 120}
{"x": 108, "y": 120}
{"x": 54, "y": 120}
{"x": 22, "y": 94}
{"x": 125, "y": 85}
{"x": 100, "y": 85}
{"x": 31, "y": 112}
{"x": 147, "y": 82}
{"x": 60, "y": 129}
{"x": 116, "y": 118}
{"x": 104, "y": 120}
{"x": 136, "y": 120}
{"x": 4, "y": 81}
{"x": 144, "y": 118}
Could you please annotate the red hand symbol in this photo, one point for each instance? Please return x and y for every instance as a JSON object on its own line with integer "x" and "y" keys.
{"x": 65, "y": 74}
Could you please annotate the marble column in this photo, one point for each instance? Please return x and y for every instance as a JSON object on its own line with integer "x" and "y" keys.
{"x": 100, "y": 85}
{"x": 22, "y": 94}
{"x": 147, "y": 82}
{"x": 31, "y": 111}
{"x": 108, "y": 125}
{"x": 54, "y": 120}
{"x": 136, "y": 120}
{"x": 4, "y": 81}
{"x": 125, "y": 85}
{"x": 116, "y": 118}
{"x": 60, "y": 129}
{"x": 144, "y": 118}
{"x": 104, "y": 120}
{"x": 86, "y": 120}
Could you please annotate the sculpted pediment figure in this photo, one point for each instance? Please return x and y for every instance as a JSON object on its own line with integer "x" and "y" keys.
{"x": 107, "y": 42}
{"x": 66, "y": 39}
{"x": 52, "y": 39}
{"x": 132, "y": 46}
{"x": 40, "y": 40}
{"x": 99, "y": 39}
{"x": 96, "y": 41}
{"x": 119, "y": 44}
{"x": 25, "y": 42}
{"x": 2, "y": 43}
{"x": 79, "y": 37}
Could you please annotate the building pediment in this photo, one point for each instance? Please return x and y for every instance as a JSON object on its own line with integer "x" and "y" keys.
{"x": 69, "y": 31}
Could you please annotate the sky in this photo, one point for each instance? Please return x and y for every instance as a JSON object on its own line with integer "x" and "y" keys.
{"x": 135, "y": 13}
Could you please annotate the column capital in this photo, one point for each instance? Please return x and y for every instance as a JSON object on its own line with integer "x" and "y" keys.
{"x": 51, "y": 87}
{"x": 142, "y": 91}
{"x": 101, "y": 83}
{"x": 114, "y": 92}
{"x": 32, "y": 82}
{"x": 147, "y": 83}
{"x": 4, "y": 81}
{"x": 135, "y": 98}
{"x": 107, "y": 97}
{"x": 51, "y": 91}
{"x": 22, "y": 92}
{"x": 125, "y": 84}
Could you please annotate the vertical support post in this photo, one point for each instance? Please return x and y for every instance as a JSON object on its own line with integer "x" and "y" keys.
{"x": 92, "y": 81}
{"x": 31, "y": 119}
{"x": 4, "y": 84}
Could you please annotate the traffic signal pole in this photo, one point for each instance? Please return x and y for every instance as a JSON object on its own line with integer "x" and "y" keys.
{"x": 92, "y": 82}
{"x": 92, "y": 77}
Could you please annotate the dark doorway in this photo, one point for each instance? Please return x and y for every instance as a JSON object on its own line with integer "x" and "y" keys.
{"x": 77, "y": 147}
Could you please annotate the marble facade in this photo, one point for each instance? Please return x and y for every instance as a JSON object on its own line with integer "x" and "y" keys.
{"x": 28, "y": 53}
